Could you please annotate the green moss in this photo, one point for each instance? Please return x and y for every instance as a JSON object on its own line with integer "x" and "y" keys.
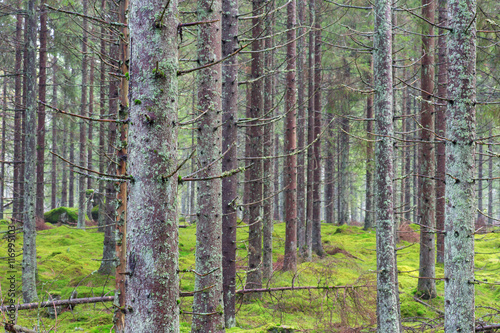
{"x": 54, "y": 215}
{"x": 95, "y": 212}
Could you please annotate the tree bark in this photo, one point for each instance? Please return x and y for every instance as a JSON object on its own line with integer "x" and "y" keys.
{"x": 460, "y": 168}
{"x": 426, "y": 286}
{"x": 230, "y": 161}
{"x": 290, "y": 170}
{"x": 16, "y": 208}
{"x": 42, "y": 89}
{"x": 29, "y": 264}
{"x": 490, "y": 175}
{"x": 55, "y": 118}
{"x": 152, "y": 236}
{"x": 370, "y": 209}
{"x": 90, "y": 147}
{"x": 2, "y": 155}
{"x": 387, "y": 289}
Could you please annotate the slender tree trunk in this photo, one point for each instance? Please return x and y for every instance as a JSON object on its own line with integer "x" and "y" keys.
{"x": 268, "y": 186}
{"x": 29, "y": 265}
{"x": 209, "y": 224}
{"x": 230, "y": 161}
{"x": 480, "y": 183}
{"x": 370, "y": 209}
{"x": 152, "y": 235}
{"x": 53, "y": 172}
{"x": 16, "y": 209}
{"x": 42, "y": 89}
{"x": 71, "y": 178}
{"x": 90, "y": 196}
{"x": 387, "y": 289}
{"x": 426, "y": 284}
{"x": 329, "y": 167}
{"x": 64, "y": 180}
{"x": 276, "y": 213}
{"x": 2, "y": 155}
{"x": 254, "y": 274}
{"x": 316, "y": 218}
{"x": 301, "y": 127}
{"x": 307, "y": 252}
{"x": 290, "y": 170}
{"x": 460, "y": 168}
{"x": 344, "y": 160}
{"x": 102, "y": 137}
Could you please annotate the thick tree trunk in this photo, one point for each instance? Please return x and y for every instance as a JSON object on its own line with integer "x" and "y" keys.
{"x": 290, "y": 170}
{"x": 29, "y": 264}
{"x": 152, "y": 235}
{"x": 387, "y": 289}
{"x": 42, "y": 89}
{"x": 254, "y": 274}
{"x": 426, "y": 286}
{"x": 230, "y": 161}
{"x": 460, "y": 168}
{"x": 208, "y": 314}
{"x": 317, "y": 246}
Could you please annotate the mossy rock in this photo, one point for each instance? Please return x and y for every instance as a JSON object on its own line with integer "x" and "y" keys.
{"x": 281, "y": 329}
{"x": 62, "y": 215}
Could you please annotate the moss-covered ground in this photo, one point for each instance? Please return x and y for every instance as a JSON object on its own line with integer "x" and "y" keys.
{"x": 68, "y": 260}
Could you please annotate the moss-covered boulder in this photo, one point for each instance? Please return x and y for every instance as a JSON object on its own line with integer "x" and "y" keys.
{"x": 62, "y": 215}
{"x": 95, "y": 213}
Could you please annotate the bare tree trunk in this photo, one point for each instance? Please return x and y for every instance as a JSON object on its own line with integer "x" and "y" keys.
{"x": 42, "y": 89}
{"x": 290, "y": 169}
{"x": 460, "y": 168}
{"x": 64, "y": 173}
{"x": 230, "y": 161}
{"x": 344, "y": 183}
{"x": 268, "y": 186}
{"x": 55, "y": 118}
{"x": 2, "y": 155}
{"x": 387, "y": 289}
{"x": 71, "y": 178}
{"x": 329, "y": 168}
{"x": 426, "y": 286}
{"x": 102, "y": 137}
{"x": 254, "y": 274}
{"x": 209, "y": 224}
{"x": 480, "y": 183}
{"x": 370, "y": 166}
{"x": 16, "y": 208}
{"x": 317, "y": 246}
{"x": 277, "y": 173}
{"x": 90, "y": 196}
{"x": 490, "y": 175}
{"x": 83, "y": 112}
{"x": 152, "y": 235}
{"x": 301, "y": 127}
{"x": 29, "y": 264}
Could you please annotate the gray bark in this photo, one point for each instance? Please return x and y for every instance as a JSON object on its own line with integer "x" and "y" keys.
{"x": 152, "y": 237}
{"x": 460, "y": 168}
{"x": 387, "y": 289}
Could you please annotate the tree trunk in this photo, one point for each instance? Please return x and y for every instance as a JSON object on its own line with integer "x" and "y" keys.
{"x": 53, "y": 172}
{"x": 344, "y": 159}
{"x": 102, "y": 136}
{"x": 301, "y": 127}
{"x": 209, "y": 224}
{"x": 329, "y": 167}
{"x": 254, "y": 274}
{"x": 64, "y": 173}
{"x": 290, "y": 169}
{"x": 29, "y": 264}
{"x": 90, "y": 196}
{"x": 71, "y": 178}
{"x": 83, "y": 112}
{"x": 2, "y": 155}
{"x": 426, "y": 286}
{"x": 490, "y": 175}
{"x": 16, "y": 207}
{"x": 460, "y": 168}
{"x": 370, "y": 209}
{"x": 277, "y": 173}
{"x": 317, "y": 246}
{"x": 42, "y": 89}
{"x": 152, "y": 235}
{"x": 230, "y": 161}
{"x": 480, "y": 183}
{"x": 387, "y": 289}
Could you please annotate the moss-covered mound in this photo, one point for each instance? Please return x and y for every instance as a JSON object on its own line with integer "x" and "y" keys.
{"x": 62, "y": 214}
{"x": 95, "y": 213}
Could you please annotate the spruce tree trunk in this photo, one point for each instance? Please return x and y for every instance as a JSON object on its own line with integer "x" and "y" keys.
{"x": 208, "y": 310}
{"x": 301, "y": 127}
{"x": 102, "y": 136}
{"x": 64, "y": 173}
{"x": 16, "y": 207}
{"x": 329, "y": 168}
{"x": 317, "y": 246}
{"x": 90, "y": 196}
{"x": 460, "y": 168}
{"x": 387, "y": 289}
{"x": 490, "y": 175}
{"x": 2, "y": 155}
{"x": 55, "y": 118}
{"x": 29, "y": 264}
{"x": 268, "y": 186}
{"x": 344, "y": 163}
{"x": 290, "y": 169}
{"x": 426, "y": 286}
{"x": 71, "y": 177}
{"x": 254, "y": 274}
{"x": 152, "y": 236}
{"x": 230, "y": 161}
{"x": 42, "y": 90}
{"x": 480, "y": 183}
{"x": 369, "y": 197}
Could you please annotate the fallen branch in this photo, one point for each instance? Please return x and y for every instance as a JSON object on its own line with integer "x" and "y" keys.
{"x": 487, "y": 327}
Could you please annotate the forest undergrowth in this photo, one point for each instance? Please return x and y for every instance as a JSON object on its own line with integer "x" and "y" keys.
{"x": 68, "y": 259}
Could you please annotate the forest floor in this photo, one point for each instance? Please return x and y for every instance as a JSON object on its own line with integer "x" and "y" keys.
{"x": 68, "y": 260}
